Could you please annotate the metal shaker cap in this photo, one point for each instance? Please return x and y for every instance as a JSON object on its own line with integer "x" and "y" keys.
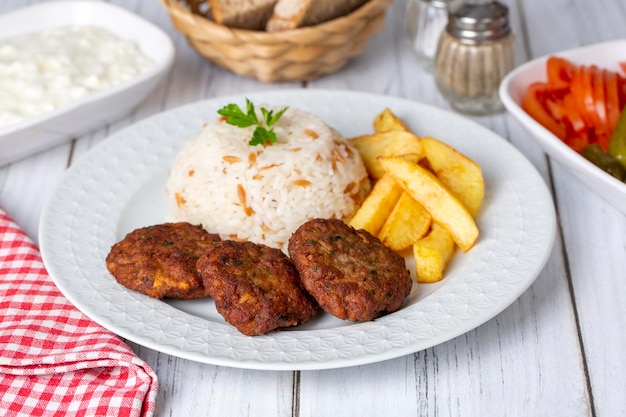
{"x": 479, "y": 23}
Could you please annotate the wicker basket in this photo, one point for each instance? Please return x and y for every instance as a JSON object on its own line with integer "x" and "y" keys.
{"x": 295, "y": 55}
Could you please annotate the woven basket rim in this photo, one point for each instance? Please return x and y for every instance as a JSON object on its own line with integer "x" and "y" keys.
{"x": 299, "y": 54}
{"x": 371, "y": 7}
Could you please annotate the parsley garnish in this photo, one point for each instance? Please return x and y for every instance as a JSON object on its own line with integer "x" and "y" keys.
{"x": 262, "y": 134}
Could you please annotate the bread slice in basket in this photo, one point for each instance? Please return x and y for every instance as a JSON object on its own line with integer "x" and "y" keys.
{"x": 242, "y": 14}
{"x": 292, "y": 14}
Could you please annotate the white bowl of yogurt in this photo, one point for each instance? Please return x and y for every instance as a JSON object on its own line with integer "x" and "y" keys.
{"x": 69, "y": 67}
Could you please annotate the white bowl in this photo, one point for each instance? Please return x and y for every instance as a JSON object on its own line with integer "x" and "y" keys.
{"x": 81, "y": 116}
{"x": 605, "y": 55}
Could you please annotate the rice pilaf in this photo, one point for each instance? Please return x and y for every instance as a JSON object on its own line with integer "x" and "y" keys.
{"x": 263, "y": 193}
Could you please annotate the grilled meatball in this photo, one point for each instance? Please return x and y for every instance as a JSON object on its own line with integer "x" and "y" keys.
{"x": 350, "y": 273}
{"x": 160, "y": 260}
{"x": 256, "y": 288}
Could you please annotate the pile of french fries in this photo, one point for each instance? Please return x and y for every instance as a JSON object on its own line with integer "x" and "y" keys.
{"x": 425, "y": 198}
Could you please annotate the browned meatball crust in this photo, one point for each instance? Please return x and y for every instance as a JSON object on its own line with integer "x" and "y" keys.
{"x": 256, "y": 288}
{"x": 350, "y": 273}
{"x": 160, "y": 261}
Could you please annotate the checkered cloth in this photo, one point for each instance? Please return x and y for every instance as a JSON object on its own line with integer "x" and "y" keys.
{"x": 54, "y": 361}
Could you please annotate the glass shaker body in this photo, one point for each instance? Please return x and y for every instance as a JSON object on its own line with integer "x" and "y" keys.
{"x": 472, "y": 60}
{"x": 425, "y": 20}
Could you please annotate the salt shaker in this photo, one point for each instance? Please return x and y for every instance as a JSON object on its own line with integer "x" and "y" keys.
{"x": 424, "y": 22}
{"x": 474, "y": 54}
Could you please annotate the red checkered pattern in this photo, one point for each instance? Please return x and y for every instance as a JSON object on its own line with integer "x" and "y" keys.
{"x": 54, "y": 361}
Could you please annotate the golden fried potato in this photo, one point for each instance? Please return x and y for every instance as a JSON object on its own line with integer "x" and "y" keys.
{"x": 457, "y": 172}
{"x": 407, "y": 223}
{"x": 375, "y": 208}
{"x": 444, "y": 207}
{"x": 387, "y": 121}
{"x": 432, "y": 254}
{"x": 428, "y": 195}
{"x": 396, "y": 143}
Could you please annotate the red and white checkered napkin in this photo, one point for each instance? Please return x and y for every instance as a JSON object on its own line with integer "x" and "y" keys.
{"x": 54, "y": 361}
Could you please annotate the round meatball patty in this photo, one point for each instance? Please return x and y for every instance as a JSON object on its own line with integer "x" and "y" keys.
{"x": 350, "y": 273}
{"x": 256, "y": 288}
{"x": 160, "y": 261}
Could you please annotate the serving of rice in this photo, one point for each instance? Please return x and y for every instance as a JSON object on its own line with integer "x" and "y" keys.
{"x": 263, "y": 193}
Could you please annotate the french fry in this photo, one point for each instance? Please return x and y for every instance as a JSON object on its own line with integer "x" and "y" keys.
{"x": 432, "y": 254}
{"x": 372, "y": 146}
{"x": 407, "y": 222}
{"x": 375, "y": 208}
{"x": 457, "y": 172}
{"x": 427, "y": 198}
{"x": 444, "y": 207}
{"x": 387, "y": 121}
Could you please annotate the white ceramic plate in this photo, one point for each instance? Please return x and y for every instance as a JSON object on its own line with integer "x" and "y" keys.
{"x": 605, "y": 55}
{"x": 119, "y": 186}
{"x": 52, "y": 128}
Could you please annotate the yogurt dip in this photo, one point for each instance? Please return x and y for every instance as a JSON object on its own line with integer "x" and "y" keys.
{"x": 42, "y": 71}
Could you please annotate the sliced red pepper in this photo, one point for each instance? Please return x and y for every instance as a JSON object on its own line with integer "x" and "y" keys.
{"x": 588, "y": 96}
{"x": 573, "y": 115}
{"x": 558, "y": 90}
{"x": 578, "y": 94}
{"x": 579, "y": 104}
{"x": 555, "y": 107}
{"x": 577, "y": 141}
{"x": 535, "y": 108}
{"x": 602, "y": 128}
{"x": 622, "y": 91}
{"x": 559, "y": 70}
{"x": 611, "y": 88}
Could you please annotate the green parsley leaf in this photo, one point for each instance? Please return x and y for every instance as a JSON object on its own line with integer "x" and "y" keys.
{"x": 237, "y": 117}
{"x": 262, "y": 135}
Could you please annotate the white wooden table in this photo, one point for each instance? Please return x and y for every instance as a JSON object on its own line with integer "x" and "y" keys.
{"x": 557, "y": 351}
